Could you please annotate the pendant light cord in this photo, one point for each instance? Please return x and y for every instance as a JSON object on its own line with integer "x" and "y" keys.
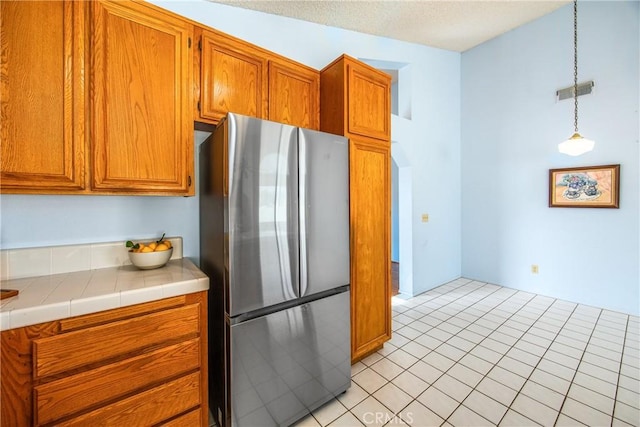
{"x": 575, "y": 64}
{"x": 576, "y": 145}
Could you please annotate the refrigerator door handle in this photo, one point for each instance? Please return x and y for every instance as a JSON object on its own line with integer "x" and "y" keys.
{"x": 283, "y": 195}
{"x": 302, "y": 211}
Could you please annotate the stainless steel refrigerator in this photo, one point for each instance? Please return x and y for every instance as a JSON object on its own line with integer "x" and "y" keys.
{"x": 274, "y": 240}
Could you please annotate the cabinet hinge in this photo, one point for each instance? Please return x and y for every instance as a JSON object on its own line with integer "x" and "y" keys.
{"x": 189, "y": 42}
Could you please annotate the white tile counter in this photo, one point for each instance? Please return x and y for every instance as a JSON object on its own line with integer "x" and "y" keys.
{"x": 48, "y": 297}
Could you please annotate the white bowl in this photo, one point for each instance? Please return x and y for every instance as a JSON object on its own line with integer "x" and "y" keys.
{"x": 150, "y": 260}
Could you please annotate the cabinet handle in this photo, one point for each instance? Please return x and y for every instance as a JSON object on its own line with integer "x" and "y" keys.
{"x": 189, "y": 180}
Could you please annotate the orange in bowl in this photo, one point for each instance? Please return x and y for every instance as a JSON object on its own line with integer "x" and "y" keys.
{"x": 150, "y": 260}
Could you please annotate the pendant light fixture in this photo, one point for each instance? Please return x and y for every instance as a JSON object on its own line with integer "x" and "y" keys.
{"x": 576, "y": 144}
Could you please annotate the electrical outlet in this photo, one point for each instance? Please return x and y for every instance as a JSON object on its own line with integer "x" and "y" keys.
{"x": 534, "y": 269}
{"x": 425, "y": 217}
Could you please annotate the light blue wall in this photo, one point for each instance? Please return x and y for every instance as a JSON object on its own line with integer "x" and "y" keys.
{"x": 431, "y": 142}
{"x": 32, "y": 221}
{"x": 511, "y": 125}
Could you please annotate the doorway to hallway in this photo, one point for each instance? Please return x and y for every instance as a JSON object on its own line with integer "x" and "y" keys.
{"x": 395, "y": 278}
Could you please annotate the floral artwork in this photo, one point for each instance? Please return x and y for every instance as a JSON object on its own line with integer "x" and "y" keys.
{"x": 593, "y": 186}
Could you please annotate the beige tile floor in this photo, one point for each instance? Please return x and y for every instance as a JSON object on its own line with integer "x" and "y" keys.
{"x": 475, "y": 354}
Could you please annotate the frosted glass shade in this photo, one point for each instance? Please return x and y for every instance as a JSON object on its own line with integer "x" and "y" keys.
{"x": 576, "y": 145}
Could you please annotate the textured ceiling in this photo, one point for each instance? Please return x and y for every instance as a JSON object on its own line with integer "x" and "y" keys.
{"x": 452, "y": 25}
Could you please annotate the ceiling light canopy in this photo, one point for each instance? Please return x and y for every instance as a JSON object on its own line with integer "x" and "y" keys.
{"x": 576, "y": 144}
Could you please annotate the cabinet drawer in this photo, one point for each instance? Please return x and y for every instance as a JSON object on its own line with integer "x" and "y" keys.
{"x": 190, "y": 419}
{"x": 64, "y": 352}
{"x": 79, "y": 392}
{"x": 147, "y": 408}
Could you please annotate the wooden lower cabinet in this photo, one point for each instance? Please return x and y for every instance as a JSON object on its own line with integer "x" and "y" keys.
{"x": 139, "y": 365}
{"x": 370, "y": 205}
{"x": 190, "y": 419}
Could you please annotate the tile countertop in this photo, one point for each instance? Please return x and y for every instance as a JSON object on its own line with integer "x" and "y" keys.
{"x": 57, "y": 296}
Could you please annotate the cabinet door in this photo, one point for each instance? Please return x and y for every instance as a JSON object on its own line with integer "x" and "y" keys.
{"x": 42, "y": 96}
{"x": 142, "y": 123}
{"x": 369, "y": 101}
{"x": 233, "y": 78}
{"x": 370, "y": 204}
{"x": 294, "y": 94}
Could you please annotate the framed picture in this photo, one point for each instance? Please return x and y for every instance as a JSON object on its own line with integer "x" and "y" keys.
{"x": 585, "y": 187}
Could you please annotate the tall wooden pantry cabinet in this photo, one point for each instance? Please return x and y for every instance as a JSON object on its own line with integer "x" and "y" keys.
{"x": 355, "y": 102}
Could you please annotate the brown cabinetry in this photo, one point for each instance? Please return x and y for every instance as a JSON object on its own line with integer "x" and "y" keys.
{"x": 370, "y": 206}
{"x": 142, "y": 123}
{"x": 132, "y": 134}
{"x": 355, "y": 99}
{"x": 355, "y": 102}
{"x": 294, "y": 94}
{"x": 144, "y": 364}
{"x": 98, "y": 97}
{"x": 42, "y": 95}
{"x": 368, "y": 98}
{"x": 235, "y": 76}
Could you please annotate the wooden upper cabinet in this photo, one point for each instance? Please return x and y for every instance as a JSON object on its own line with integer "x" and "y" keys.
{"x": 42, "y": 96}
{"x": 141, "y": 99}
{"x": 137, "y": 365}
{"x": 294, "y": 94}
{"x": 369, "y": 101}
{"x": 355, "y": 99}
{"x": 233, "y": 78}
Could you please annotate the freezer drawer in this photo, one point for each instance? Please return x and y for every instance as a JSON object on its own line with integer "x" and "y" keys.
{"x": 288, "y": 363}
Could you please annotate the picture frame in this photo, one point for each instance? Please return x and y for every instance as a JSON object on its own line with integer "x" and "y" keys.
{"x": 585, "y": 187}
